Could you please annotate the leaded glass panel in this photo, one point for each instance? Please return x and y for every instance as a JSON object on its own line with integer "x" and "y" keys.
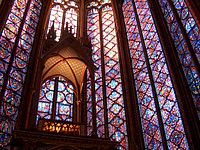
{"x": 16, "y": 42}
{"x": 101, "y": 31}
{"x": 62, "y": 13}
{"x": 182, "y": 46}
{"x": 56, "y": 101}
{"x": 141, "y": 29}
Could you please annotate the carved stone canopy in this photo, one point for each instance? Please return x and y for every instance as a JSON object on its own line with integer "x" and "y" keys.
{"x": 68, "y": 58}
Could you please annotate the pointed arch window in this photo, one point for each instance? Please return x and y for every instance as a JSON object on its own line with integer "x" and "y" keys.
{"x": 16, "y": 41}
{"x": 64, "y": 12}
{"x": 159, "y": 111}
{"x": 56, "y": 101}
{"x": 110, "y": 111}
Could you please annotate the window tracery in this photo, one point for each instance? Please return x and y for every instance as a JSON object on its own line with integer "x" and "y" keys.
{"x": 64, "y": 12}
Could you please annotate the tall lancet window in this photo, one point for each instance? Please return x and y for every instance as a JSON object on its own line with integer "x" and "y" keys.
{"x": 63, "y": 12}
{"x": 110, "y": 112}
{"x": 159, "y": 111}
{"x": 186, "y": 36}
{"x": 16, "y": 41}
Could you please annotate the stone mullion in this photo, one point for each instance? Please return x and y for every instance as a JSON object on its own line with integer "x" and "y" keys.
{"x": 134, "y": 128}
{"x": 63, "y": 23}
{"x": 103, "y": 77}
{"x": 55, "y": 95}
{"x": 185, "y": 100}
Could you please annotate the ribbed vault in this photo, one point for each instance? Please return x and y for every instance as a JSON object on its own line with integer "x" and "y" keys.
{"x": 67, "y": 63}
{"x": 69, "y": 58}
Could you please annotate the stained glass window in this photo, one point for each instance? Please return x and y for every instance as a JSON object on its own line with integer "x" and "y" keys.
{"x": 64, "y": 12}
{"x": 161, "y": 121}
{"x": 159, "y": 110}
{"x": 16, "y": 42}
{"x": 56, "y": 100}
{"x": 182, "y": 26}
{"x": 109, "y": 100}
